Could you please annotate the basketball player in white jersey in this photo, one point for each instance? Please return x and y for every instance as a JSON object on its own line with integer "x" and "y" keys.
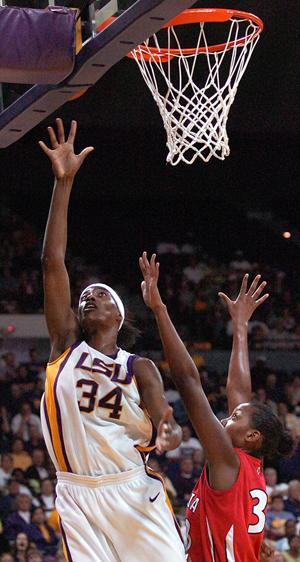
{"x": 98, "y": 408}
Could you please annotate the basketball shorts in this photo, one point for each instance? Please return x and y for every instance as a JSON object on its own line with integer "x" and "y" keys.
{"x": 117, "y": 518}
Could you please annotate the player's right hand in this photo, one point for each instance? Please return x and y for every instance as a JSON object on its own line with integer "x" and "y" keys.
{"x": 65, "y": 163}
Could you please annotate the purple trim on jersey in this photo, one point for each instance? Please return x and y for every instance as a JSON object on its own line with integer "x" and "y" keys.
{"x": 70, "y": 559}
{"x": 48, "y": 425}
{"x": 153, "y": 436}
{"x": 59, "y": 422}
{"x": 130, "y": 362}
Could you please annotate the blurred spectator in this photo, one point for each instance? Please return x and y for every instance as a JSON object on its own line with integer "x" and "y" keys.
{"x": 261, "y": 396}
{"x": 9, "y": 367}
{"x": 4, "y": 544}
{"x": 41, "y": 534}
{"x": 187, "y": 446}
{"x": 5, "y": 469}
{"x": 289, "y": 467}
{"x": 289, "y": 420}
{"x": 289, "y": 530}
{"x": 21, "y": 547}
{"x": 21, "y": 459}
{"x": 278, "y": 557}
{"x": 292, "y": 503}
{"x": 198, "y": 460}
{"x": 272, "y": 388}
{"x": 19, "y": 476}
{"x": 25, "y": 379}
{"x": 277, "y": 517}
{"x": 6, "y": 557}
{"x": 185, "y": 480}
{"x": 37, "y": 470}
{"x": 5, "y": 432}
{"x": 19, "y": 520}
{"x": 273, "y": 488}
{"x": 293, "y": 554}
{"x": 14, "y": 398}
{"x": 36, "y": 440}
{"x": 240, "y": 263}
{"x": 23, "y": 422}
{"x": 34, "y": 365}
{"x": 7, "y": 498}
{"x": 34, "y": 555}
{"x": 195, "y": 271}
{"x": 47, "y": 496}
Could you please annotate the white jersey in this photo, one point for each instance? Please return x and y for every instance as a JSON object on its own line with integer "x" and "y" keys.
{"x": 92, "y": 420}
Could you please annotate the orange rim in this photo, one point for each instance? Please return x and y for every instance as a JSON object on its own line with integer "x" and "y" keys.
{"x": 200, "y": 15}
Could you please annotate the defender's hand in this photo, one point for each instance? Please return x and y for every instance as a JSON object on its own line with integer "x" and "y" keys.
{"x": 246, "y": 303}
{"x": 65, "y": 163}
{"x": 150, "y": 272}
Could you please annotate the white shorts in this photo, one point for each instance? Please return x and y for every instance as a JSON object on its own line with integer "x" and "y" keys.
{"x": 117, "y": 518}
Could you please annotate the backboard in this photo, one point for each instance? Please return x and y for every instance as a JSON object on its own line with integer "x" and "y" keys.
{"x": 26, "y": 106}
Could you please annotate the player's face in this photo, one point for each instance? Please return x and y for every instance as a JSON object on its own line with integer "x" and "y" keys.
{"x": 238, "y": 425}
{"x": 97, "y": 306}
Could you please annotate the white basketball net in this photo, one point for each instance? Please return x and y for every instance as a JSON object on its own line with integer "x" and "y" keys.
{"x": 195, "y": 116}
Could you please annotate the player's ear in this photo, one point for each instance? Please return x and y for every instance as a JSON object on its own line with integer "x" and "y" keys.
{"x": 253, "y": 436}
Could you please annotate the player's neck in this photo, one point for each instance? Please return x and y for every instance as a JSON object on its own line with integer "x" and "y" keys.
{"x": 105, "y": 342}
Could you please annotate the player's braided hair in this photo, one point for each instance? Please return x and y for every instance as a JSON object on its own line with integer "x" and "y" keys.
{"x": 276, "y": 440}
{"x": 129, "y": 333}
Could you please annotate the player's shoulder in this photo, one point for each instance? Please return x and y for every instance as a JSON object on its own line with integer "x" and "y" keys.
{"x": 251, "y": 466}
{"x": 143, "y": 366}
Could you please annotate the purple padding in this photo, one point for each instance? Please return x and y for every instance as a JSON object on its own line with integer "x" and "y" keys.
{"x": 36, "y": 46}
{"x": 96, "y": 57}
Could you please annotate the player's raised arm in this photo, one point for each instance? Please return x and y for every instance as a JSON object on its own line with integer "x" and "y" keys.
{"x": 239, "y": 389}
{"x": 61, "y": 321}
{"x": 222, "y": 459}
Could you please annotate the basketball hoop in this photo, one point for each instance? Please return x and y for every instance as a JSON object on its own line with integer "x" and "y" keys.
{"x": 195, "y": 87}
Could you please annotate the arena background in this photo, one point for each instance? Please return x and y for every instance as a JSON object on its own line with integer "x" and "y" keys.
{"x": 127, "y": 199}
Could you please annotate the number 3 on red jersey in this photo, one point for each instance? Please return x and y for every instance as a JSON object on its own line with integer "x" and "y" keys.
{"x": 258, "y": 510}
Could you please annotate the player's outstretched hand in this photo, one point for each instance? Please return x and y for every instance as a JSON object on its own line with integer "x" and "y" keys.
{"x": 150, "y": 272}
{"x": 247, "y": 301}
{"x": 65, "y": 163}
{"x": 168, "y": 437}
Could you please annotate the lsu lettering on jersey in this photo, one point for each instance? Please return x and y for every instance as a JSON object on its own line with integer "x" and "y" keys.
{"x": 91, "y": 416}
{"x": 228, "y": 525}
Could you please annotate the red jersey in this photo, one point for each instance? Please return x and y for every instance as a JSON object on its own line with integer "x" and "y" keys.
{"x": 228, "y": 525}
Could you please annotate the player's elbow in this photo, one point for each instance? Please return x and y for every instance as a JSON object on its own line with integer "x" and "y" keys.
{"x": 51, "y": 260}
{"x": 186, "y": 374}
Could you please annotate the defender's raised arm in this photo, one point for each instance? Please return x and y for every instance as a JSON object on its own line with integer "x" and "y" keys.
{"x": 239, "y": 389}
{"x": 219, "y": 450}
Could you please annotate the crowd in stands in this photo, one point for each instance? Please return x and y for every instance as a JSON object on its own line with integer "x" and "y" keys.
{"x": 29, "y": 526}
{"x": 190, "y": 281}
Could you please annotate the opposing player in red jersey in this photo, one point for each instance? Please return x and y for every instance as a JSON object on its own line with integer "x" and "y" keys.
{"x": 226, "y": 512}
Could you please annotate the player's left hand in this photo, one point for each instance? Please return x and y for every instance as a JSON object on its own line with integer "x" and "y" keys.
{"x": 168, "y": 433}
{"x": 247, "y": 301}
{"x": 150, "y": 271}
